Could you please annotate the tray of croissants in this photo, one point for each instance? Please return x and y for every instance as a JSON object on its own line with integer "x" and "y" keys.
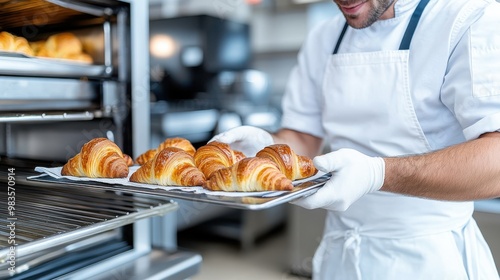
{"x": 213, "y": 173}
{"x": 60, "y": 53}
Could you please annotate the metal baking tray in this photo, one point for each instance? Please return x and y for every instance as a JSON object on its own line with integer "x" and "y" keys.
{"x": 12, "y": 63}
{"x": 302, "y": 189}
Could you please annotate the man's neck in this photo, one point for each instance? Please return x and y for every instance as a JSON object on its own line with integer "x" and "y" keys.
{"x": 389, "y": 13}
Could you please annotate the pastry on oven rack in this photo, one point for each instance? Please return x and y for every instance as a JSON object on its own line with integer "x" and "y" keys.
{"x": 12, "y": 43}
{"x": 169, "y": 167}
{"x": 65, "y": 45}
{"x": 98, "y": 158}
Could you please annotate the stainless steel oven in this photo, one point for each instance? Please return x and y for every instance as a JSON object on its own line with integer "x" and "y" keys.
{"x": 51, "y": 105}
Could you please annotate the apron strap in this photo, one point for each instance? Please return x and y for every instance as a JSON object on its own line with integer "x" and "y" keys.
{"x": 351, "y": 252}
{"x": 410, "y": 30}
{"x": 340, "y": 38}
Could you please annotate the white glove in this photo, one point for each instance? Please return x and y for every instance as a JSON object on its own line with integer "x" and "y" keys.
{"x": 353, "y": 175}
{"x": 246, "y": 139}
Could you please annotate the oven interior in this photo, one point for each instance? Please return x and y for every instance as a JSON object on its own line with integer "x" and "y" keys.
{"x": 45, "y": 98}
{"x": 50, "y": 105}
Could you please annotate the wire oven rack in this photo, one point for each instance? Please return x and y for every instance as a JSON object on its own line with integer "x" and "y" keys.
{"x": 50, "y": 216}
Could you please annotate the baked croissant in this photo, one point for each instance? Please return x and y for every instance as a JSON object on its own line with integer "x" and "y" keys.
{"x": 292, "y": 165}
{"x": 146, "y": 156}
{"x": 65, "y": 45}
{"x": 176, "y": 142}
{"x": 214, "y": 156}
{"x": 7, "y": 41}
{"x": 180, "y": 143}
{"x": 98, "y": 158}
{"x": 37, "y": 46}
{"x": 62, "y": 45}
{"x": 249, "y": 174}
{"x": 12, "y": 43}
{"x": 128, "y": 160}
{"x": 170, "y": 167}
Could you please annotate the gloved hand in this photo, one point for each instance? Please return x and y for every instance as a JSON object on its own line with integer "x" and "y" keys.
{"x": 353, "y": 175}
{"x": 247, "y": 139}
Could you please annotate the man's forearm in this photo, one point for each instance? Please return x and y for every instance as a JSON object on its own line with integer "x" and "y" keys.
{"x": 468, "y": 171}
{"x": 302, "y": 143}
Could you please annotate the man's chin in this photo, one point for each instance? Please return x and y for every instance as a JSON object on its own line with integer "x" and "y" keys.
{"x": 357, "y": 23}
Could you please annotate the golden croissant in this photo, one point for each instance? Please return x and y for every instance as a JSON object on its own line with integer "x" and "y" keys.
{"x": 98, "y": 158}
{"x": 249, "y": 174}
{"x": 214, "y": 156}
{"x": 176, "y": 142}
{"x": 170, "y": 167}
{"x": 128, "y": 160}
{"x": 12, "y": 43}
{"x": 63, "y": 44}
{"x": 292, "y": 165}
{"x": 146, "y": 156}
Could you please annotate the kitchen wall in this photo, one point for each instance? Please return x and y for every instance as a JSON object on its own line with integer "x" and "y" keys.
{"x": 277, "y": 36}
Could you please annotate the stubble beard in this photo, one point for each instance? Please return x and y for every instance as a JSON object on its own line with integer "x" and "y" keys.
{"x": 373, "y": 15}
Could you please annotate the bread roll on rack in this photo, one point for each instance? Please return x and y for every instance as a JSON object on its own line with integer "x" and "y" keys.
{"x": 65, "y": 45}
{"x": 37, "y": 46}
{"x": 62, "y": 45}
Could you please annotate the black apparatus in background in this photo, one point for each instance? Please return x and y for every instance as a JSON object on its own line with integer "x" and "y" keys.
{"x": 199, "y": 48}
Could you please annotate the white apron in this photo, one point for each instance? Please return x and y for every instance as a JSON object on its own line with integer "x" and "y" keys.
{"x": 368, "y": 107}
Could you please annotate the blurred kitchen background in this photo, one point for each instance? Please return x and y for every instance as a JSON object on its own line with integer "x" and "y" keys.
{"x": 225, "y": 62}
{"x": 217, "y": 64}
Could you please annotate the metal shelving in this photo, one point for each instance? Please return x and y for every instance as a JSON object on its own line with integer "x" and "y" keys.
{"x": 47, "y": 217}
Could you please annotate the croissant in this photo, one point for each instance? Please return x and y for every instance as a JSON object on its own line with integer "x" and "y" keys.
{"x": 145, "y": 157}
{"x": 80, "y": 57}
{"x": 61, "y": 45}
{"x": 180, "y": 143}
{"x": 98, "y": 158}
{"x": 11, "y": 43}
{"x": 249, "y": 174}
{"x": 65, "y": 45}
{"x": 128, "y": 160}
{"x": 6, "y": 41}
{"x": 214, "y": 156}
{"x": 21, "y": 45}
{"x": 37, "y": 46}
{"x": 176, "y": 142}
{"x": 292, "y": 165}
{"x": 170, "y": 167}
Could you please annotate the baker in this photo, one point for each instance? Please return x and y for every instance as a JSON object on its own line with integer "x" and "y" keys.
{"x": 406, "y": 94}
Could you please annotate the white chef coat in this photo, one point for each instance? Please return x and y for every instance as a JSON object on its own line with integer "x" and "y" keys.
{"x": 439, "y": 92}
{"x": 458, "y": 98}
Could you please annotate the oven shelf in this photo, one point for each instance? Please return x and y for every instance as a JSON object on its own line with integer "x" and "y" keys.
{"x": 19, "y": 64}
{"x": 48, "y": 216}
